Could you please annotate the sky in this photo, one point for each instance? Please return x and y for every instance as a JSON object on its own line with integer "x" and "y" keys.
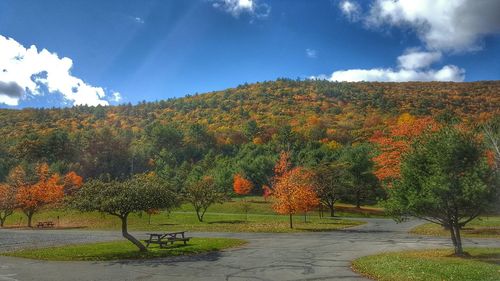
{"x": 94, "y": 52}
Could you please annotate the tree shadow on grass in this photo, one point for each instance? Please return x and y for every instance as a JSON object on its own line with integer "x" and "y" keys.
{"x": 169, "y": 261}
{"x": 493, "y": 258}
{"x": 482, "y": 230}
{"x": 227, "y": 222}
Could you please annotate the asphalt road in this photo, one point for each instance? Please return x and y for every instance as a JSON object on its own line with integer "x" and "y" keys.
{"x": 294, "y": 256}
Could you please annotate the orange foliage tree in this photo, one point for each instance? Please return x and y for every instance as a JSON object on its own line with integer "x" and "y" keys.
{"x": 7, "y": 201}
{"x": 72, "y": 182}
{"x": 294, "y": 192}
{"x": 396, "y": 142}
{"x": 8, "y": 191}
{"x": 242, "y": 186}
{"x": 283, "y": 165}
{"x": 31, "y": 197}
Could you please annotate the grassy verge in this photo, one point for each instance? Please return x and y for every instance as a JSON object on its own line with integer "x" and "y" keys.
{"x": 484, "y": 227}
{"x": 430, "y": 265}
{"x": 121, "y": 250}
{"x": 213, "y": 222}
{"x": 227, "y": 217}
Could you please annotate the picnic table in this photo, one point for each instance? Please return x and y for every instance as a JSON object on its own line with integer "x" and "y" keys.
{"x": 162, "y": 239}
{"x": 45, "y": 224}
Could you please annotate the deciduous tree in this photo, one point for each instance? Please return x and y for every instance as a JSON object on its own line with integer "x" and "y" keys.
{"x": 203, "y": 193}
{"x": 31, "y": 197}
{"x": 332, "y": 181}
{"x": 396, "y": 142}
{"x": 140, "y": 193}
{"x": 71, "y": 183}
{"x": 242, "y": 186}
{"x": 294, "y": 192}
{"x": 8, "y": 191}
{"x": 444, "y": 179}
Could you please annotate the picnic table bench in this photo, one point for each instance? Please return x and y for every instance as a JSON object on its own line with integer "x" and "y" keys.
{"x": 162, "y": 239}
{"x": 45, "y": 224}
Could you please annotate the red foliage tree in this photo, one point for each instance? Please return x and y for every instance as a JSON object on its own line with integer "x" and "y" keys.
{"x": 397, "y": 142}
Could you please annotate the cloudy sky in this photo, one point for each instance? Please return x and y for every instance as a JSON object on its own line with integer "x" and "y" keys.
{"x": 64, "y": 53}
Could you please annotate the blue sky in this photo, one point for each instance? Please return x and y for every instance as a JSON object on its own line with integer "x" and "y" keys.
{"x": 129, "y": 51}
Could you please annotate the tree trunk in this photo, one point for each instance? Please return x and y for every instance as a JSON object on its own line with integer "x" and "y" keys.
{"x": 129, "y": 237}
{"x": 30, "y": 217}
{"x": 3, "y": 217}
{"x": 332, "y": 211}
{"x": 291, "y": 221}
{"x": 459, "y": 251}
{"x": 452, "y": 235}
{"x": 358, "y": 199}
{"x": 198, "y": 214}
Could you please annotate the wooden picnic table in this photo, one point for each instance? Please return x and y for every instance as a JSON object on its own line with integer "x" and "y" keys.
{"x": 45, "y": 224}
{"x": 162, "y": 239}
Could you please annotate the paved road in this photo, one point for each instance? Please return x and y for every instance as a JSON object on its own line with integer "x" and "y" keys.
{"x": 296, "y": 256}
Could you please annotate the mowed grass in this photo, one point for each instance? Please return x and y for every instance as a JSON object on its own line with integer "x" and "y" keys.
{"x": 227, "y": 217}
{"x": 188, "y": 222}
{"x": 123, "y": 250}
{"x": 483, "y": 227}
{"x": 429, "y": 265}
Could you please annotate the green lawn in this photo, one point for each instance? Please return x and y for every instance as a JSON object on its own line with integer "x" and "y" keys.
{"x": 227, "y": 217}
{"x": 432, "y": 265}
{"x": 484, "y": 227}
{"x": 120, "y": 250}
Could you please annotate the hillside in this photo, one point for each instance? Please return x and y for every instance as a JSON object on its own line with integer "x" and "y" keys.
{"x": 315, "y": 111}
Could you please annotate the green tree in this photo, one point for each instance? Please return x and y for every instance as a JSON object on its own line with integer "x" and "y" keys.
{"x": 251, "y": 129}
{"x": 332, "y": 182}
{"x": 138, "y": 194}
{"x": 364, "y": 184}
{"x": 445, "y": 179}
{"x": 202, "y": 193}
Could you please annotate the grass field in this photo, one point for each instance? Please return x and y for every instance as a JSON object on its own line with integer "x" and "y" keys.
{"x": 484, "y": 227}
{"x": 121, "y": 250}
{"x": 432, "y": 265}
{"x": 227, "y": 217}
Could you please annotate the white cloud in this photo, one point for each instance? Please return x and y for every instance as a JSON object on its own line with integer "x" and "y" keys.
{"x": 447, "y": 25}
{"x": 31, "y": 69}
{"x": 116, "y": 97}
{"x": 443, "y": 26}
{"x": 447, "y": 73}
{"x": 138, "y": 20}
{"x": 414, "y": 59}
{"x": 350, "y": 9}
{"x": 311, "y": 53}
{"x": 412, "y": 66}
{"x": 238, "y": 7}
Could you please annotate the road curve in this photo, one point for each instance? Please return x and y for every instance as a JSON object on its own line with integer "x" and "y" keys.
{"x": 267, "y": 256}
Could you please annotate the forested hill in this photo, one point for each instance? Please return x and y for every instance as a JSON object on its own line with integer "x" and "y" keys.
{"x": 223, "y": 121}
